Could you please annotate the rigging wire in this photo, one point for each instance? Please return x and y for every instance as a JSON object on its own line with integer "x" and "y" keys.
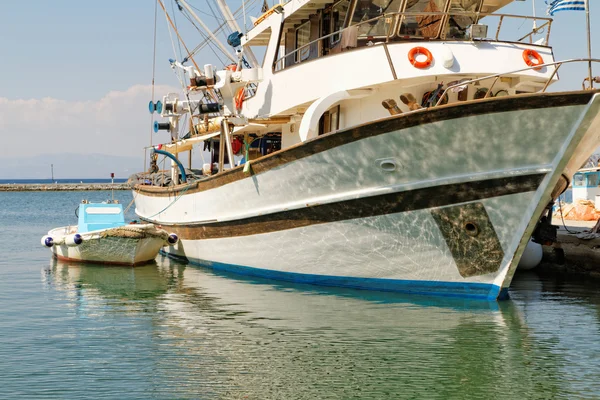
{"x": 204, "y": 36}
{"x": 153, "y": 76}
{"x": 176, "y": 71}
{"x": 206, "y": 41}
{"x": 177, "y": 33}
{"x": 176, "y": 29}
{"x": 214, "y": 14}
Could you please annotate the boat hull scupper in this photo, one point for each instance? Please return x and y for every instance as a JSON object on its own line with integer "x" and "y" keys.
{"x": 125, "y": 245}
{"x": 441, "y": 201}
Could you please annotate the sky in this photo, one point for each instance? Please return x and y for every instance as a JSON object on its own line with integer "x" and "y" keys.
{"x": 75, "y": 76}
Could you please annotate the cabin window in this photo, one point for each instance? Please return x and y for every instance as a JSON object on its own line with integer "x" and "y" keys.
{"x": 337, "y": 19}
{"x": 458, "y": 22}
{"x": 578, "y": 180}
{"x": 302, "y": 39}
{"x": 592, "y": 180}
{"x": 423, "y": 26}
{"x": 366, "y": 10}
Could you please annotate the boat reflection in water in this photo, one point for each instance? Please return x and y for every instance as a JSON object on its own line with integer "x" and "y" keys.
{"x": 222, "y": 336}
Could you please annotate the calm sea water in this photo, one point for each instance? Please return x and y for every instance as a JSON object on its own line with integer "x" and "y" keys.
{"x": 173, "y": 331}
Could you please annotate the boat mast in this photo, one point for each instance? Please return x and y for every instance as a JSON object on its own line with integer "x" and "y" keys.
{"x": 589, "y": 43}
{"x": 224, "y": 49}
{"x": 230, "y": 19}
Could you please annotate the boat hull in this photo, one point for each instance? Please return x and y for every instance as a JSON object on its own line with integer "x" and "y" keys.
{"x": 441, "y": 201}
{"x": 128, "y": 245}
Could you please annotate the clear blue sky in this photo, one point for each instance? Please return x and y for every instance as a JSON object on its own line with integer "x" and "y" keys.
{"x": 80, "y": 50}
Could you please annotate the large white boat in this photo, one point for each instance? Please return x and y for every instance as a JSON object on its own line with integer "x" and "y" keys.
{"x": 388, "y": 145}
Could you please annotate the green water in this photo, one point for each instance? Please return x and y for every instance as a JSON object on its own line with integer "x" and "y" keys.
{"x": 171, "y": 331}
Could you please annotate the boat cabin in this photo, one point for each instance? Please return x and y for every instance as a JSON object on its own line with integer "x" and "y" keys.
{"x": 586, "y": 184}
{"x": 356, "y": 61}
{"x": 95, "y": 216}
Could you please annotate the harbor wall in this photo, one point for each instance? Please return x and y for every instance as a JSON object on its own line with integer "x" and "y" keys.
{"x": 46, "y": 187}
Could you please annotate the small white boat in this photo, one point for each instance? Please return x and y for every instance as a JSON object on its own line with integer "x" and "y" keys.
{"x": 102, "y": 236}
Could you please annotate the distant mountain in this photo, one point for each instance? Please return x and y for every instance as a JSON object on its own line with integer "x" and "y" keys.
{"x": 70, "y": 166}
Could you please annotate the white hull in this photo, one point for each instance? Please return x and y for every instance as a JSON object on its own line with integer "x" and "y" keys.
{"x": 386, "y": 205}
{"x": 127, "y": 245}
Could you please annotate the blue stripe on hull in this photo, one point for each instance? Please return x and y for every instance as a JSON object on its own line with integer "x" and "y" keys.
{"x": 483, "y": 291}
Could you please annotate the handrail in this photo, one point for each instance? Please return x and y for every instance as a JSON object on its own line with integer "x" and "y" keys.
{"x": 558, "y": 64}
{"x": 450, "y": 13}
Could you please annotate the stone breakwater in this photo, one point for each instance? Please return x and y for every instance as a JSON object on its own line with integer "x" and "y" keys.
{"x": 51, "y": 187}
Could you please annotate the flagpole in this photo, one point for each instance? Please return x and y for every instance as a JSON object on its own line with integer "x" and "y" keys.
{"x": 589, "y": 42}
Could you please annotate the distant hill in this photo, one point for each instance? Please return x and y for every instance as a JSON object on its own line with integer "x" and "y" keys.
{"x": 68, "y": 165}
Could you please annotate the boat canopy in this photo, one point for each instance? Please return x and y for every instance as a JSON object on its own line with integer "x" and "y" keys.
{"x": 95, "y": 216}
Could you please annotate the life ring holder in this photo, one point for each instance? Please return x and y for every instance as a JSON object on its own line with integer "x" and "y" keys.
{"x": 414, "y": 52}
{"x": 527, "y": 57}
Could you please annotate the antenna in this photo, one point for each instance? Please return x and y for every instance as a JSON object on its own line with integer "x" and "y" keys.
{"x": 534, "y": 20}
{"x": 52, "y": 171}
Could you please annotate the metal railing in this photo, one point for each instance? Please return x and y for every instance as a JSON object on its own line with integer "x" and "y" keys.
{"x": 393, "y": 31}
{"x": 496, "y": 77}
{"x": 534, "y": 31}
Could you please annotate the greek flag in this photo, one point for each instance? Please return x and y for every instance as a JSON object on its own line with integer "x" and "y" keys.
{"x": 565, "y": 5}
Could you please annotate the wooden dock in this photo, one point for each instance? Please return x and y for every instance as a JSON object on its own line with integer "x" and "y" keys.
{"x": 54, "y": 187}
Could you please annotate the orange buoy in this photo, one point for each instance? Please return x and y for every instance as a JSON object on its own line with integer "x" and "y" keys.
{"x": 414, "y": 52}
{"x": 530, "y": 55}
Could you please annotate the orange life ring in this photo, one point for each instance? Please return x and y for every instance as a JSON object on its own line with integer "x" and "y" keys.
{"x": 527, "y": 56}
{"x": 239, "y": 98}
{"x": 231, "y": 67}
{"x": 414, "y": 52}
